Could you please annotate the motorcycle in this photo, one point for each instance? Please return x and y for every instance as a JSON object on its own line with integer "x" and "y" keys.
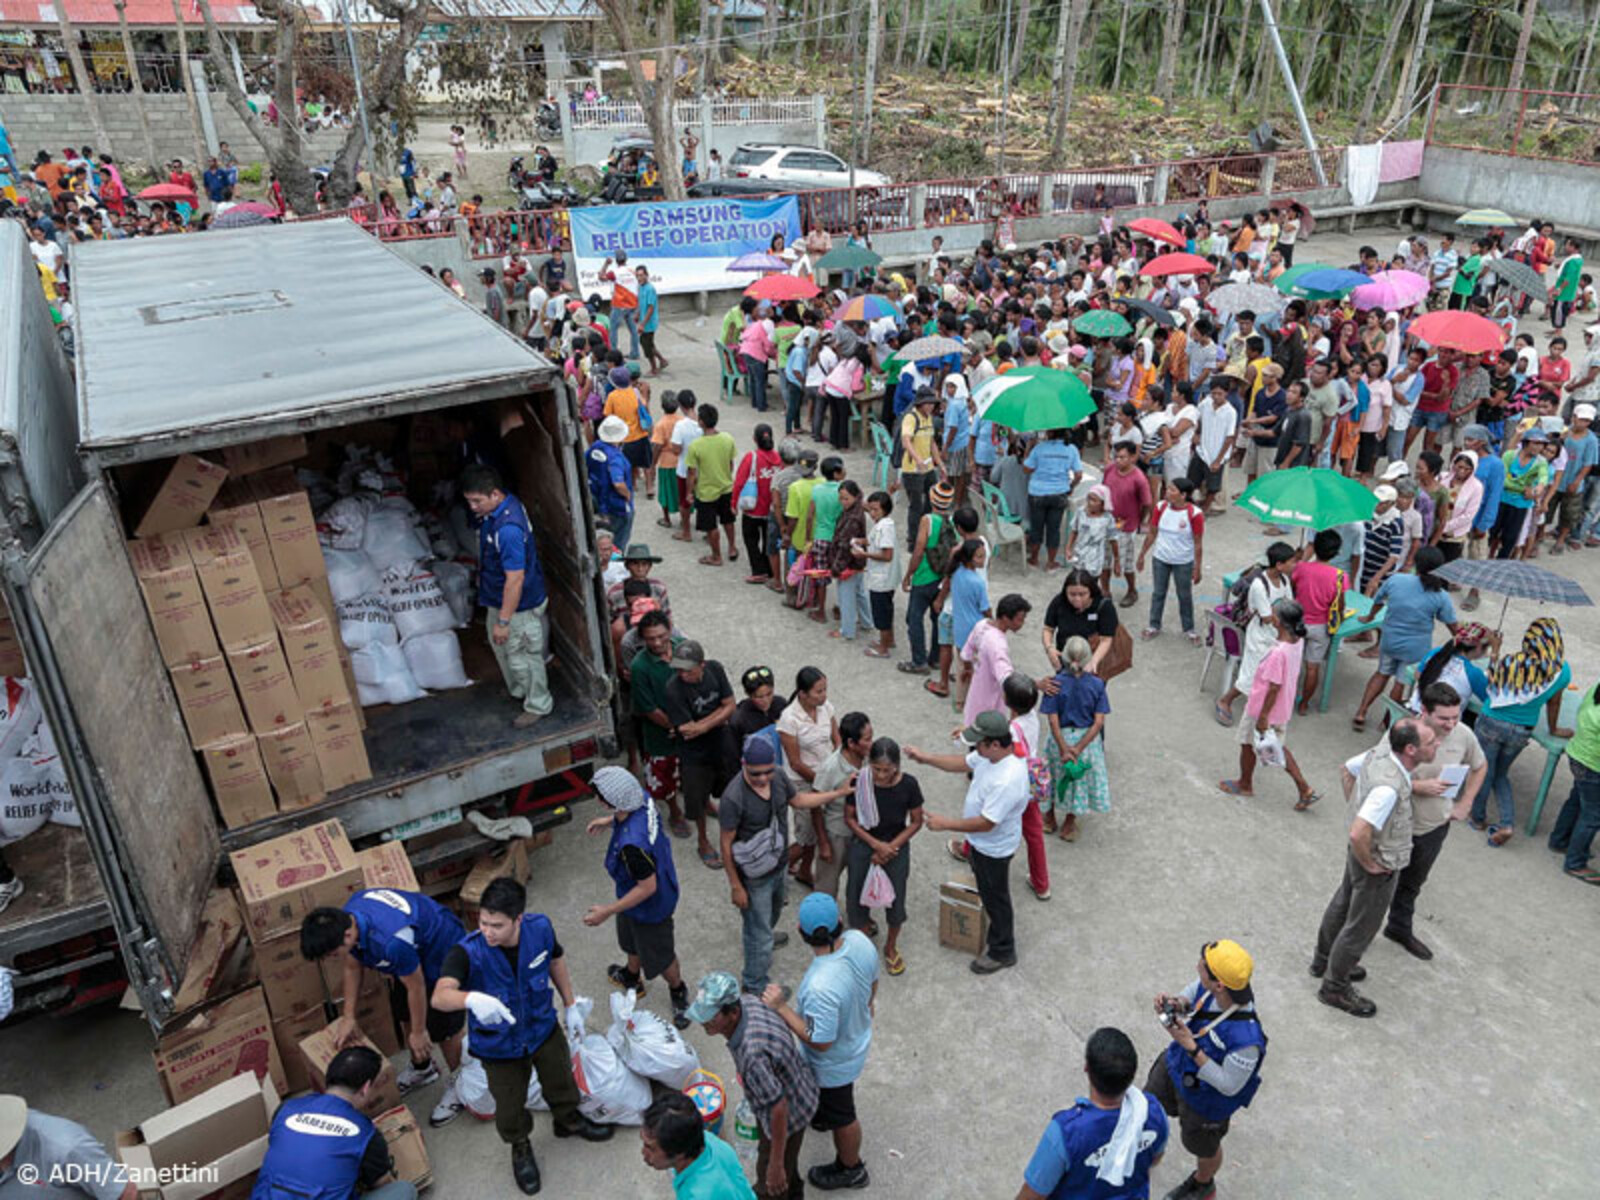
{"x": 548, "y": 119}
{"x": 538, "y": 188}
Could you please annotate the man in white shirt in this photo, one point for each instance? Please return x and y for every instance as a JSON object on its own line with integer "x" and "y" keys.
{"x": 992, "y": 821}
{"x": 1219, "y": 429}
{"x": 1379, "y": 850}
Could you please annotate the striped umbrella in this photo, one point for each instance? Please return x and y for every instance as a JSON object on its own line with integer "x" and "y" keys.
{"x": 1511, "y": 577}
{"x": 1486, "y": 218}
{"x": 865, "y": 308}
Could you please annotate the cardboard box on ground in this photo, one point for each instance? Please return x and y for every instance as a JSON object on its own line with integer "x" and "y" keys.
{"x": 320, "y": 1050}
{"x": 406, "y": 1146}
{"x": 963, "y": 925}
{"x": 224, "y": 1039}
{"x": 221, "y": 1133}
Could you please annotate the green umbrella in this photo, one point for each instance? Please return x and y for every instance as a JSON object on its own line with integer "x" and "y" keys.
{"x": 1102, "y": 322}
{"x": 1285, "y": 283}
{"x": 1034, "y": 398}
{"x": 849, "y": 257}
{"x": 1312, "y": 497}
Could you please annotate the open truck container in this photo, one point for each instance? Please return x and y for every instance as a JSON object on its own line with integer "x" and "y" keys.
{"x": 191, "y": 345}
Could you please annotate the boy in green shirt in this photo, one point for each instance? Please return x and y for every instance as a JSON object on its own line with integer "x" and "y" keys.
{"x": 1466, "y": 281}
{"x": 1564, "y": 292}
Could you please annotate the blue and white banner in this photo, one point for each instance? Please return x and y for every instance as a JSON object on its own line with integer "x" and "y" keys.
{"x": 686, "y": 244}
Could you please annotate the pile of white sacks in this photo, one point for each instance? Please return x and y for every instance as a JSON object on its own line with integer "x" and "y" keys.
{"x": 33, "y": 784}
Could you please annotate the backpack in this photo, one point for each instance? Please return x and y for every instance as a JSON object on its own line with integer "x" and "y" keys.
{"x": 1238, "y": 598}
{"x": 646, "y": 421}
{"x": 938, "y": 552}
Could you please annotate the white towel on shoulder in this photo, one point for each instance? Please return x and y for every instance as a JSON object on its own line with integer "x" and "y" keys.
{"x": 1122, "y": 1151}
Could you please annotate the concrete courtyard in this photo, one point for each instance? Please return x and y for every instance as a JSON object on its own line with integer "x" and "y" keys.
{"x": 1475, "y": 1080}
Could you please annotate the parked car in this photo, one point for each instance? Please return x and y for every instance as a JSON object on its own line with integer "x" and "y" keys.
{"x": 798, "y": 164}
{"x": 710, "y": 188}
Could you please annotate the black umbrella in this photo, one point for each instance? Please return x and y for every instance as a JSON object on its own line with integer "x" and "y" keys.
{"x": 239, "y": 218}
{"x": 1154, "y": 311}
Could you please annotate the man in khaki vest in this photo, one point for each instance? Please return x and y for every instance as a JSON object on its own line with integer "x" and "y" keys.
{"x": 1380, "y": 848}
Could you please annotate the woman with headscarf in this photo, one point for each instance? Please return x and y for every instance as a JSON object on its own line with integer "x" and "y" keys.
{"x": 1466, "y": 498}
{"x": 1520, "y": 685}
{"x": 1454, "y": 663}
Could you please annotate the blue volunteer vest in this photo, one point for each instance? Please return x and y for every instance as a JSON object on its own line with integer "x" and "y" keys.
{"x": 526, "y": 993}
{"x": 383, "y": 913}
{"x": 491, "y": 569}
{"x": 1238, "y": 1031}
{"x": 635, "y": 831}
{"x": 314, "y": 1151}
{"x": 600, "y": 457}
{"x": 1086, "y": 1132}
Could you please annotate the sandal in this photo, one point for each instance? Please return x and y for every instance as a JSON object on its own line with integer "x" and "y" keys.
{"x": 1359, "y": 724}
{"x": 1149, "y": 635}
{"x": 1232, "y": 788}
{"x": 679, "y": 827}
{"x": 874, "y": 652}
{"x": 1306, "y": 802}
{"x": 896, "y": 965}
{"x": 1583, "y": 875}
{"x": 1069, "y": 833}
{"x": 1499, "y": 835}
{"x": 711, "y": 859}
{"x": 930, "y": 686}
{"x": 1222, "y": 713}
{"x": 705, "y": 560}
{"x": 1195, "y": 639}
{"x": 1476, "y": 824}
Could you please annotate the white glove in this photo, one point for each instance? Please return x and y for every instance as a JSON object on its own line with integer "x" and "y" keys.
{"x": 488, "y": 1010}
{"x": 575, "y": 1026}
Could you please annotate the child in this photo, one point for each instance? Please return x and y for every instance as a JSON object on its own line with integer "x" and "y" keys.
{"x": 1091, "y": 530}
{"x": 965, "y": 595}
{"x": 1271, "y": 704}
{"x": 879, "y": 551}
{"x": 684, "y": 432}
{"x": 847, "y": 560}
{"x": 666, "y": 458}
{"x": 1075, "y": 753}
{"x": 1022, "y": 700}
{"x": 965, "y": 521}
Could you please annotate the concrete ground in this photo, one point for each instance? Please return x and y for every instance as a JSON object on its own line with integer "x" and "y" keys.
{"x": 1475, "y": 1080}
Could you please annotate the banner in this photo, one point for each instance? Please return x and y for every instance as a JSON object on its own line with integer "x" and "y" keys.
{"x": 685, "y": 244}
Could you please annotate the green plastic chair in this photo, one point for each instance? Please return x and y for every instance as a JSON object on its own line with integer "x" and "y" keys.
{"x": 882, "y": 454}
{"x": 997, "y": 501}
{"x": 1554, "y": 749}
{"x": 1002, "y": 532}
{"x": 732, "y": 376}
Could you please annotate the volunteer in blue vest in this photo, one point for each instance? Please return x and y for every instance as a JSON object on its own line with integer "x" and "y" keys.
{"x": 501, "y": 976}
{"x": 1106, "y": 1143}
{"x": 611, "y": 479}
{"x": 511, "y": 587}
{"x": 323, "y": 1147}
{"x": 1213, "y": 1066}
{"x": 639, "y": 861}
{"x": 404, "y": 935}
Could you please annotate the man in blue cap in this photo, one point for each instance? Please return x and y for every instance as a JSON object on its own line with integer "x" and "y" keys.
{"x": 832, "y": 1017}
{"x": 639, "y": 861}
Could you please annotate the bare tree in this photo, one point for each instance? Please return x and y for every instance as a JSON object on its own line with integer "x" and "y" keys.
{"x": 1519, "y": 64}
{"x": 1122, "y": 39}
{"x": 1588, "y": 51}
{"x": 869, "y": 84}
{"x": 81, "y": 76}
{"x": 949, "y": 33}
{"x": 1064, "y": 70}
{"x": 1019, "y": 42}
{"x": 1171, "y": 36}
{"x": 187, "y": 72}
{"x": 1381, "y": 74}
{"x": 925, "y": 33}
{"x": 285, "y": 144}
{"x": 904, "y": 27}
{"x": 654, "y": 97}
{"x": 137, "y": 83}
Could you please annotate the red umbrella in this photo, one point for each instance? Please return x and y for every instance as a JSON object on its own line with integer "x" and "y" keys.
{"x": 1464, "y": 331}
{"x": 782, "y": 287}
{"x": 257, "y": 207}
{"x": 172, "y": 191}
{"x": 1159, "y": 230}
{"x": 1177, "y": 264}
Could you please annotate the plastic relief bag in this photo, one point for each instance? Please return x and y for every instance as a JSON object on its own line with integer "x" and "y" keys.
{"x": 417, "y": 602}
{"x": 383, "y": 676}
{"x": 391, "y": 536}
{"x": 1269, "y": 749}
{"x": 649, "y": 1045}
{"x": 612, "y": 1093}
{"x": 365, "y": 621}
{"x": 350, "y": 574}
{"x": 435, "y": 660}
{"x": 877, "y": 890}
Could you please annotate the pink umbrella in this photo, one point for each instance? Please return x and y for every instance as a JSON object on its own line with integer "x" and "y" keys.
{"x": 1391, "y": 290}
{"x": 257, "y": 207}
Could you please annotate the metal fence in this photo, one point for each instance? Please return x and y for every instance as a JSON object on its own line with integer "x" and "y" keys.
{"x": 1560, "y": 126}
{"x": 611, "y": 114}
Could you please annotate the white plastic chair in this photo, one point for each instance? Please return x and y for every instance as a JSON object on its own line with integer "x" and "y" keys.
{"x": 1215, "y": 644}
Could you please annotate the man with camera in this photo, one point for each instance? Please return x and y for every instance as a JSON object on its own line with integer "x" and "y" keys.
{"x": 1212, "y": 1069}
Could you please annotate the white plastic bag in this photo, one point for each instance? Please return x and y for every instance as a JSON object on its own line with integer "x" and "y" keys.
{"x": 383, "y": 676}
{"x": 346, "y": 521}
{"x": 435, "y": 659}
{"x": 26, "y": 798}
{"x": 19, "y": 715}
{"x": 648, "y": 1045}
{"x": 877, "y": 890}
{"x": 52, "y": 779}
{"x": 391, "y": 537}
{"x": 472, "y": 1085}
{"x": 416, "y": 602}
{"x": 612, "y": 1093}
{"x": 350, "y": 574}
{"x": 1269, "y": 749}
{"x": 365, "y": 621}
{"x": 456, "y": 580}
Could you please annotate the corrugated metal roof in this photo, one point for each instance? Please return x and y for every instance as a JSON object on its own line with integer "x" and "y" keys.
{"x": 140, "y": 12}
{"x": 248, "y": 325}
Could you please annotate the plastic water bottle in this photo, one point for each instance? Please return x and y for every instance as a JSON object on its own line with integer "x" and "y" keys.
{"x": 746, "y": 1135}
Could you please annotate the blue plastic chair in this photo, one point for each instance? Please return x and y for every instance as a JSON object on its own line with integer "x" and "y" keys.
{"x": 732, "y": 376}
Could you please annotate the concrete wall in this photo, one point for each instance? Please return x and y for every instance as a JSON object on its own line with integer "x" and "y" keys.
{"x": 51, "y": 122}
{"x": 1565, "y": 193}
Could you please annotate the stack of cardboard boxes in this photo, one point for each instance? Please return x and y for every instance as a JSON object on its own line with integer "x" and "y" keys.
{"x": 243, "y": 616}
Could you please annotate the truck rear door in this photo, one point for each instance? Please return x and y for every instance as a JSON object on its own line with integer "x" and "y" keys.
{"x": 107, "y": 696}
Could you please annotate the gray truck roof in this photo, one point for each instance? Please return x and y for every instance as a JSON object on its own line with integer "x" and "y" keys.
{"x": 200, "y": 340}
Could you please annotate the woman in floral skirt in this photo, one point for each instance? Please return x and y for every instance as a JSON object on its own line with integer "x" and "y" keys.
{"x": 1075, "y": 750}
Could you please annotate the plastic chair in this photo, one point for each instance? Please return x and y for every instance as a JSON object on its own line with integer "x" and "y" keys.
{"x": 856, "y": 431}
{"x": 1001, "y": 533}
{"x": 1554, "y": 749}
{"x": 997, "y": 501}
{"x": 732, "y": 376}
{"x": 1218, "y": 627}
{"x": 882, "y": 454}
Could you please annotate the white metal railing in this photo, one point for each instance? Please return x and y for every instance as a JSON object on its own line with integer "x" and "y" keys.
{"x": 609, "y": 114}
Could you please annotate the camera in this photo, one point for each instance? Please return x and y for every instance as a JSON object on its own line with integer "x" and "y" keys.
{"x": 1171, "y": 1010}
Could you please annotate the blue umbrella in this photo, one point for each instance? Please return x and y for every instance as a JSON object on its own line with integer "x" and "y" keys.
{"x": 1328, "y": 284}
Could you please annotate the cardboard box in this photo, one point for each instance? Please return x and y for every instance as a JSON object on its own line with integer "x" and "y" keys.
{"x": 183, "y": 498}
{"x": 291, "y": 529}
{"x": 410, "y": 1153}
{"x": 319, "y": 1051}
{"x": 283, "y": 878}
{"x": 963, "y": 925}
{"x": 374, "y": 1017}
{"x": 292, "y": 985}
{"x": 220, "y": 1134}
{"x": 231, "y": 1037}
{"x": 265, "y": 454}
{"x": 239, "y": 781}
{"x": 291, "y": 762}
{"x": 387, "y": 865}
{"x": 288, "y": 1033}
{"x": 233, "y": 589}
{"x": 221, "y": 927}
{"x": 512, "y": 861}
{"x": 341, "y": 753}
{"x": 265, "y": 685}
{"x": 311, "y": 644}
{"x": 235, "y": 506}
{"x": 172, "y": 594}
{"x": 208, "y": 702}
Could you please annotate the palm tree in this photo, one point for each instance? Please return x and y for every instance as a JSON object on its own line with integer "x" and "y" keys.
{"x": 1530, "y": 10}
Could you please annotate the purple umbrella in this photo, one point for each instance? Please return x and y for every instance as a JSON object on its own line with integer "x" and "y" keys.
{"x": 758, "y": 261}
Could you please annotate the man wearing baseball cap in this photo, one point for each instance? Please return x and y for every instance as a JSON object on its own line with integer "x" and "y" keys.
{"x": 38, "y": 1152}
{"x": 1213, "y": 1066}
{"x": 992, "y": 820}
{"x": 832, "y": 1017}
{"x": 611, "y": 479}
{"x": 639, "y": 861}
{"x": 1576, "y": 485}
{"x": 778, "y": 1082}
